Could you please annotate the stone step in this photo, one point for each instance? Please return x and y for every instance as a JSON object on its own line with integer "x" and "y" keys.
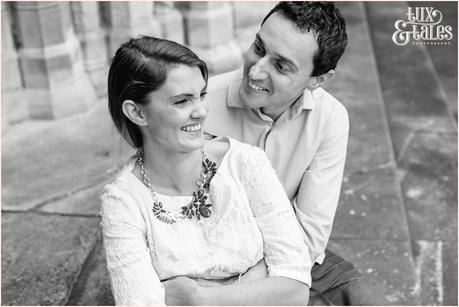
{"x": 423, "y": 130}
{"x": 370, "y": 226}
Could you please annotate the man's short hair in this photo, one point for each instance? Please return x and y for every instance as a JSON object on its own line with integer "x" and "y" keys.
{"x": 327, "y": 25}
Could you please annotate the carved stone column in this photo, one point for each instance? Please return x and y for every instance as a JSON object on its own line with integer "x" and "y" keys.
{"x": 248, "y": 16}
{"x": 14, "y": 105}
{"x": 129, "y": 19}
{"x": 210, "y": 33}
{"x": 51, "y": 60}
{"x": 171, "y": 21}
{"x": 87, "y": 24}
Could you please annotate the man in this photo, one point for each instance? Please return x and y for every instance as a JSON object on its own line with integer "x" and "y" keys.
{"x": 276, "y": 103}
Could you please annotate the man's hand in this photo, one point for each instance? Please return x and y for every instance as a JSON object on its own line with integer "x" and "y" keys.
{"x": 182, "y": 291}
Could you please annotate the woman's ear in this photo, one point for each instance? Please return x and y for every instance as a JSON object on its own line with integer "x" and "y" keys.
{"x": 134, "y": 113}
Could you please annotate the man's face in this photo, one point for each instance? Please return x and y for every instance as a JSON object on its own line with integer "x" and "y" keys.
{"x": 277, "y": 66}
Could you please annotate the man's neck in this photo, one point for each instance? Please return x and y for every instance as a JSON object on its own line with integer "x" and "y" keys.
{"x": 275, "y": 112}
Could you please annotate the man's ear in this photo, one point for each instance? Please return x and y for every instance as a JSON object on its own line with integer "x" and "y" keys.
{"x": 134, "y": 113}
{"x": 320, "y": 80}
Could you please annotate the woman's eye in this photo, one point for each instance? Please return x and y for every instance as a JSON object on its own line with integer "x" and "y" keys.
{"x": 203, "y": 95}
{"x": 182, "y": 101}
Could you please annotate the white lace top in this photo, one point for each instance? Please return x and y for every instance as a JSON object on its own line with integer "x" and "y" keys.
{"x": 251, "y": 218}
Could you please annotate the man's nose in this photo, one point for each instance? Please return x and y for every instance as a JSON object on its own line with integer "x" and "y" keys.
{"x": 258, "y": 71}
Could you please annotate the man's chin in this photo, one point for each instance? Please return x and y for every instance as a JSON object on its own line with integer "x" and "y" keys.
{"x": 250, "y": 100}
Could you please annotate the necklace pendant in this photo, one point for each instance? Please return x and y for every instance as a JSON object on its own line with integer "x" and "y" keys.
{"x": 162, "y": 214}
{"x": 198, "y": 207}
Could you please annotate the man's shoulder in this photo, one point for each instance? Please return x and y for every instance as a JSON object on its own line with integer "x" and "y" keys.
{"x": 326, "y": 103}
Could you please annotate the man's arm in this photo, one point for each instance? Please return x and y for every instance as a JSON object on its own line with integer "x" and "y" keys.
{"x": 264, "y": 291}
{"x": 319, "y": 191}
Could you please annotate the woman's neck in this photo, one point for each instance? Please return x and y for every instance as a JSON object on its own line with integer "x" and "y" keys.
{"x": 172, "y": 173}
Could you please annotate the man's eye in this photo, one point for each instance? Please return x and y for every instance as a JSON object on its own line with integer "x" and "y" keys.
{"x": 258, "y": 49}
{"x": 203, "y": 95}
{"x": 281, "y": 67}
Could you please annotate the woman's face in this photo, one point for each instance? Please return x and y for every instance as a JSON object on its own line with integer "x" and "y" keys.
{"x": 176, "y": 111}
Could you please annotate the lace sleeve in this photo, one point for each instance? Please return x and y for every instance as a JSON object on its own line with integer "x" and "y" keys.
{"x": 133, "y": 279}
{"x": 285, "y": 252}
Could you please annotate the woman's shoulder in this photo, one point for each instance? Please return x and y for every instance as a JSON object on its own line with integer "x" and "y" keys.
{"x": 122, "y": 193}
{"x": 235, "y": 152}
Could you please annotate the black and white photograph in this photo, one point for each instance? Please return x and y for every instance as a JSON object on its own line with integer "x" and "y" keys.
{"x": 229, "y": 153}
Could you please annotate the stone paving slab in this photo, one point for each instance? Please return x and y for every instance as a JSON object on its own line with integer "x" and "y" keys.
{"x": 430, "y": 186}
{"x": 356, "y": 85}
{"x": 412, "y": 97}
{"x": 424, "y": 135}
{"x": 370, "y": 207}
{"x": 445, "y": 59}
{"x": 388, "y": 262}
{"x": 85, "y": 202}
{"x": 93, "y": 286}
{"x": 42, "y": 256}
{"x": 450, "y": 269}
{"x": 428, "y": 269}
{"x": 370, "y": 204}
{"x": 75, "y": 152}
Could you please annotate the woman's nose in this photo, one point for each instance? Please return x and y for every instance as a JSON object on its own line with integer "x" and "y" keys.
{"x": 200, "y": 111}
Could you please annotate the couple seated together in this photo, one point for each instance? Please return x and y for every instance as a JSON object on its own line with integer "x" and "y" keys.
{"x": 231, "y": 195}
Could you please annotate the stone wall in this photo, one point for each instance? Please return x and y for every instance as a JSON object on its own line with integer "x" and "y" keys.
{"x": 55, "y": 55}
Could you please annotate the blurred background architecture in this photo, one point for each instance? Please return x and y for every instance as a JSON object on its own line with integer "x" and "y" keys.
{"x": 56, "y": 54}
{"x": 397, "y": 217}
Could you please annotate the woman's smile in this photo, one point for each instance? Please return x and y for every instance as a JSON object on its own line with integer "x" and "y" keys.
{"x": 192, "y": 128}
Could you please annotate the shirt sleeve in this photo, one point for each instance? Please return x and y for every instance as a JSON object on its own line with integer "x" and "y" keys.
{"x": 319, "y": 191}
{"x": 285, "y": 252}
{"x": 133, "y": 279}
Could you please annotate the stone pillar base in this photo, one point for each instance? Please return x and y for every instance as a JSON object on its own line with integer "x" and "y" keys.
{"x": 221, "y": 58}
{"x": 95, "y": 60}
{"x": 61, "y": 101}
{"x": 14, "y": 108}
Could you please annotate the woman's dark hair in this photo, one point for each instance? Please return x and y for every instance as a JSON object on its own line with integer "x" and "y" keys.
{"x": 139, "y": 67}
{"x": 327, "y": 24}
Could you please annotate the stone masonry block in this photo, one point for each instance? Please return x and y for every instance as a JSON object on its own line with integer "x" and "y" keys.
{"x": 11, "y": 76}
{"x": 221, "y": 58}
{"x": 209, "y": 27}
{"x": 249, "y": 13}
{"x": 129, "y": 19}
{"x": 43, "y": 24}
{"x": 171, "y": 21}
{"x": 130, "y": 14}
{"x": 203, "y": 5}
{"x": 85, "y": 16}
{"x": 61, "y": 101}
{"x": 49, "y": 67}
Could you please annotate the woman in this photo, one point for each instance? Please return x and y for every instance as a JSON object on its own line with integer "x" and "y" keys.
{"x": 184, "y": 206}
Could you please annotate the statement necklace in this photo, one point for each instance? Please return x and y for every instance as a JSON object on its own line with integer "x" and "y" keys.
{"x": 197, "y": 207}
